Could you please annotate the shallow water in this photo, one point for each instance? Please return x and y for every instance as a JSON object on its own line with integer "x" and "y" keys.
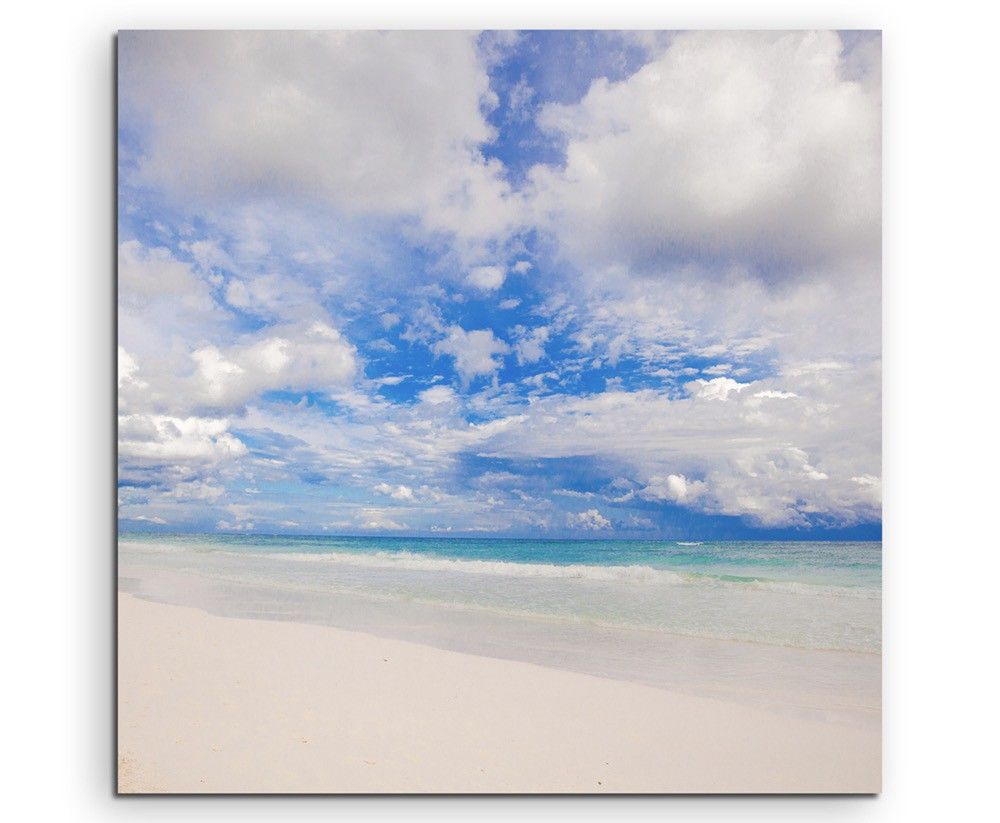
{"x": 803, "y": 595}
{"x": 793, "y": 627}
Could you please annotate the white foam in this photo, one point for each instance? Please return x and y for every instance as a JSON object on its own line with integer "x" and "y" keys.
{"x": 634, "y": 574}
{"x": 419, "y": 562}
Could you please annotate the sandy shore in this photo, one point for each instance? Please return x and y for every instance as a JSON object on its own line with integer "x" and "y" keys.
{"x": 216, "y": 704}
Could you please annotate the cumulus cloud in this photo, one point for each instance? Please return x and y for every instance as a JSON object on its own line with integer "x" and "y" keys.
{"x": 297, "y": 359}
{"x": 273, "y": 297}
{"x": 399, "y": 492}
{"x": 486, "y": 278}
{"x": 475, "y": 352}
{"x": 393, "y": 123}
{"x": 162, "y": 299}
{"x": 675, "y": 488}
{"x": 530, "y": 346}
{"x": 127, "y": 370}
{"x": 145, "y": 273}
{"x": 438, "y": 396}
{"x": 718, "y": 388}
{"x": 775, "y": 464}
{"x": 377, "y": 520}
{"x": 197, "y": 490}
{"x": 590, "y": 520}
{"x": 244, "y": 526}
{"x": 164, "y": 439}
{"x": 753, "y": 147}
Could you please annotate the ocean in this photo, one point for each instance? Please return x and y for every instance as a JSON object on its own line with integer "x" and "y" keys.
{"x": 822, "y": 595}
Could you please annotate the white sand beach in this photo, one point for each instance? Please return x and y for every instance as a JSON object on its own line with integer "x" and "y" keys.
{"x": 228, "y": 705}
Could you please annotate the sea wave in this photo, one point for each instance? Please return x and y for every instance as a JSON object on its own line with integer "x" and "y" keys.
{"x": 638, "y": 574}
{"x": 412, "y": 561}
{"x": 635, "y": 573}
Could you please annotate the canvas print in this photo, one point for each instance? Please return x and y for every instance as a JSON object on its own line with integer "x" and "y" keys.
{"x": 499, "y": 412}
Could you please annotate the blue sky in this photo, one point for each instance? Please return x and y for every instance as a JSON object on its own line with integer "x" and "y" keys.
{"x": 555, "y": 283}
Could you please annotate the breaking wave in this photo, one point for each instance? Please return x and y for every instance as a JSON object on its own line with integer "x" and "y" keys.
{"x": 636, "y": 573}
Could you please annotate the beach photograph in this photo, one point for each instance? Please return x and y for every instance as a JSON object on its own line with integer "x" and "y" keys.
{"x": 498, "y": 412}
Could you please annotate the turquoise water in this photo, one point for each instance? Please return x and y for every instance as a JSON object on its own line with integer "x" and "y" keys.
{"x": 816, "y": 595}
{"x": 856, "y": 564}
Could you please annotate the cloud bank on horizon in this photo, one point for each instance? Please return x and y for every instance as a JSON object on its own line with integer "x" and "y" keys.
{"x": 547, "y": 283}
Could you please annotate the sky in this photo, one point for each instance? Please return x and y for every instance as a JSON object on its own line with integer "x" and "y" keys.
{"x": 549, "y": 284}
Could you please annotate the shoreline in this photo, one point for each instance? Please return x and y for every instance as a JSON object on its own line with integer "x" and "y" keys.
{"x": 225, "y": 704}
{"x": 829, "y": 684}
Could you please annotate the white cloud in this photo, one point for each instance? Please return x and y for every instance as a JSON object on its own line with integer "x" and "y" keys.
{"x": 486, "y": 278}
{"x": 274, "y": 296}
{"x": 377, "y": 520}
{"x": 208, "y": 255}
{"x": 674, "y": 487}
{"x": 390, "y": 379}
{"x": 538, "y": 380}
{"x": 225, "y": 525}
{"x": 197, "y": 490}
{"x": 145, "y": 273}
{"x": 718, "y": 388}
{"x": 162, "y": 299}
{"x": 530, "y": 347}
{"x": 407, "y": 494}
{"x": 747, "y": 146}
{"x": 127, "y": 370}
{"x": 399, "y": 492}
{"x": 393, "y": 122}
{"x": 315, "y": 357}
{"x": 774, "y": 462}
{"x": 163, "y": 303}
{"x": 147, "y": 519}
{"x": 591, "y": 520}
{"x": 475, "y": 352}
{"x": 438, "y": 396}
{"x": 519, "y": 104}
{"x": 871, "y": 488}
{"x": 241, "y": 513}
{"x": 165, "y": 439}
{"x": 509, "y": 303}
